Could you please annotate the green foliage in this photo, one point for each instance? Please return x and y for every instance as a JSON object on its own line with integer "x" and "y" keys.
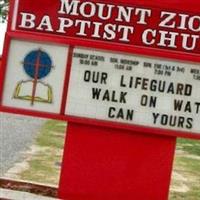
{"x": 3, "y": 10}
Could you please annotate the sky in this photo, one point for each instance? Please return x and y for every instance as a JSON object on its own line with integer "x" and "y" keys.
{"x": 2, "y": 32}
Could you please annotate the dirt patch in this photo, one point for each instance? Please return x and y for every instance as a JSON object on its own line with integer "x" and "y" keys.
{"x": 18, "y": 168}
{"x": 180, "y": 183}
{"x": 192, "y": 157}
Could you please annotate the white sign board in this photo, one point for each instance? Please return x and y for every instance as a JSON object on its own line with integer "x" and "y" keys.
{"x": 35, "y": 76}
{"x": 134, "y": 90}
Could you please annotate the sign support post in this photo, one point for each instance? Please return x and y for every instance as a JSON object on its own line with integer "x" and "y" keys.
{"x": 103, "y": 163}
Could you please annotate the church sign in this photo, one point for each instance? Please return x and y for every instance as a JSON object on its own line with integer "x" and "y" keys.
{"x": 126, "y": 65}
{"x": 109, "y": 22}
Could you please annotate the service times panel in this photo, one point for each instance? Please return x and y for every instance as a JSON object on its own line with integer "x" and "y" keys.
{"x": 134, "y": 90}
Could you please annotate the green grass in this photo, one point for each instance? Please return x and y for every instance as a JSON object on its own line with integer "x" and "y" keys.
{"x": 44, "y": 165}
{"x": 187, "y": 164}
{"x": 52, "y": 134}
{"x": 194, "y": 194}
{"x": 189, "y": 146}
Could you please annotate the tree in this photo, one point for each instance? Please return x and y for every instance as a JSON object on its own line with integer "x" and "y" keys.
{"x": 3, "y": 10}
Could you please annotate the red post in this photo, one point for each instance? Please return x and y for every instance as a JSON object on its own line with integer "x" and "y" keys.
{"x": 104, "y": 163}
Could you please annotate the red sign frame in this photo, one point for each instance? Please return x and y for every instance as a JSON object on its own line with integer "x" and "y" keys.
{"x": 102, "y": 45}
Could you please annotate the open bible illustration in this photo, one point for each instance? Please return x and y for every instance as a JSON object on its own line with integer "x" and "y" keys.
{"x": 37, "y": 65}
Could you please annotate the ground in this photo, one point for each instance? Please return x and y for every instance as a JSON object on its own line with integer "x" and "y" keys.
{"x": 186, "y": 173}
{"x": 43, "y": 162}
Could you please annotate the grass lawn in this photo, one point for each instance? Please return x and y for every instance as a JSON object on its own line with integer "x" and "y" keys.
{"x": 186, "y": 174}
{"x": 44, "y": 166}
